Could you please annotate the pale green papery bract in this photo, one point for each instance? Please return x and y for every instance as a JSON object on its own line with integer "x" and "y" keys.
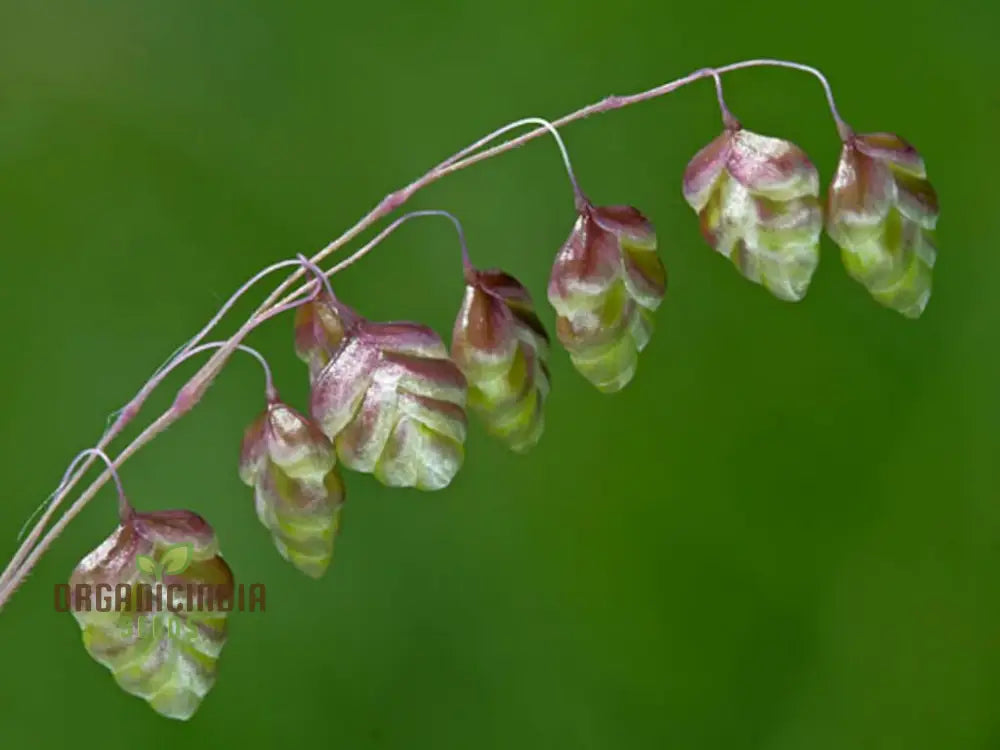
{"x": 298, "y": 492}
{"x": 167, "y": 658}
{"x": 882, "y": 212}
{"x": 757, "y": 199}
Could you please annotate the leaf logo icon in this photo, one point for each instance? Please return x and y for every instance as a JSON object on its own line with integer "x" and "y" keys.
{"x": 147, "y": 565}
{"x": 177, "y": 558}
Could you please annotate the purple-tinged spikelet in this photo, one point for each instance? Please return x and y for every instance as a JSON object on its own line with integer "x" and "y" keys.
{"x": 501, "y": 347}
{"x": 882, "y": 211}
{"x": 298, "y": 492}
{"x": 757, "y": 198}
{"x": 606, "y": 282}
{"x": 159, "y": 641}
{"x": 393, "y": 404}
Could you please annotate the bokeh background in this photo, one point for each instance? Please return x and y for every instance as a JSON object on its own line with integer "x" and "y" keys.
{"x": 784, "y": 534}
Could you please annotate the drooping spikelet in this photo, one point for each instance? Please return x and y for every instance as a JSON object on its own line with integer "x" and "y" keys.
{"x": 393, "y": 404}
{"x": 882, "y": 212}
{"x": 501, "y": 347}
{"x": 757, "y": 198}
{"x": 151, "y": 601}
{"x": 298, "y": 491}
{"x": 606, "y": 282}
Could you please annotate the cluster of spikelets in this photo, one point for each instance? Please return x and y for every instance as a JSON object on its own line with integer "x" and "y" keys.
{"x": 390, "y": 398}
{"x": 758, "y": 201}
{"x": 387, "y": 399}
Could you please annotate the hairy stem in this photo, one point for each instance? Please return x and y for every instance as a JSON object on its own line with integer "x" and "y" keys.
{"x": 31, "y": 550}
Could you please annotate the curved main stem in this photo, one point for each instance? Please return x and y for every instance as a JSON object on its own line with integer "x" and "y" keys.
{"x": 283, "y": 297}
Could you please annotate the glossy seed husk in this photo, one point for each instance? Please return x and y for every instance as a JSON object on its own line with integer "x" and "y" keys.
{"x": 502, "y": 348}
{"x": 881, "y": 211}
{"x": 298, "y": 491}
{"x": 757, "y": 199}
{"x": 168, "y": 658}
{"x": 606, "y": 282}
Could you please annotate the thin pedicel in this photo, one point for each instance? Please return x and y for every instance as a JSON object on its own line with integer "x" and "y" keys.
{"x": 124, "y": 507}
{"x": 377, "y": 239}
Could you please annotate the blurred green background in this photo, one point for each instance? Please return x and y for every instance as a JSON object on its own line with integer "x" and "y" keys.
{"x": 784, "y": 534}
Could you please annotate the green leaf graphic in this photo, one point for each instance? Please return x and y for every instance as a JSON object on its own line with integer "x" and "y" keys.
{"x": 177, "y": 558}
{"x": 146, "y": 564}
